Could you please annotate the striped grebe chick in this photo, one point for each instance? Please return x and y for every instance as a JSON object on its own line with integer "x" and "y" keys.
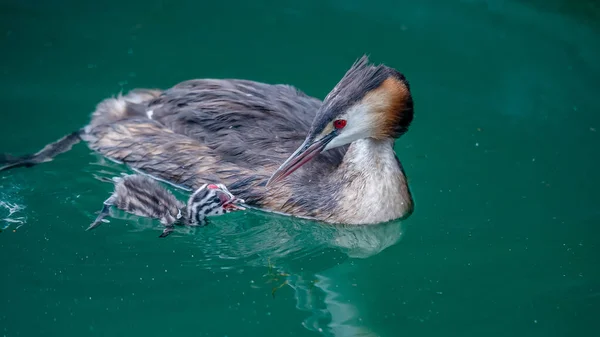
{"x": 143, "y": 196}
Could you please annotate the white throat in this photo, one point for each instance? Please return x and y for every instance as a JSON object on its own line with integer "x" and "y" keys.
{"x": 376, "y": 189}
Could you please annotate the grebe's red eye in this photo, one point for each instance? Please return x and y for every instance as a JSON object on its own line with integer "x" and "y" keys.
{"x": 212, "y": 187}
{"x": 339, "y": 123}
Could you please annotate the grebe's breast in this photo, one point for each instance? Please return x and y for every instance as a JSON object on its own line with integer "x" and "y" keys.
{"x": 374, "y": 187}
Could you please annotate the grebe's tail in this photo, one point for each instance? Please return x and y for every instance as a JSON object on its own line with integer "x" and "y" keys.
{"x": 108, "y": 111}
{"x": 46, "y": 154}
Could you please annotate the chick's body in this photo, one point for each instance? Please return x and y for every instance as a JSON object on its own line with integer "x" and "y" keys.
{"x": 142, "y": 196}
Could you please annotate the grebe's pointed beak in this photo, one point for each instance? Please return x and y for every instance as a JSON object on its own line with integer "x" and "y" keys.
{"x": 307, "y": 151}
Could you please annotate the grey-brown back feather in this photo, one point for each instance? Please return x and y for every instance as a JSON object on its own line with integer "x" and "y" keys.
{"x": 240, "y": 119}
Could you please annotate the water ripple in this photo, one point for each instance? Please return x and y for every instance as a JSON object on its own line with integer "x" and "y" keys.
{"x": 11, "y": 209}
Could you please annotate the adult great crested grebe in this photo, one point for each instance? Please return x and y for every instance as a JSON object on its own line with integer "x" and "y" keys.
{"x": 239, "y": 132}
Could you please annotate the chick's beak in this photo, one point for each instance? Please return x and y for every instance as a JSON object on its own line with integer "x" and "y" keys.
{"x": 307, "y": 151}
{"x": 230, "y": 202}
{"x": 236, "y": 204}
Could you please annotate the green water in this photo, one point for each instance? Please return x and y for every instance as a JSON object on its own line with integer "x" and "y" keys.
{"x": 502, "y": 159}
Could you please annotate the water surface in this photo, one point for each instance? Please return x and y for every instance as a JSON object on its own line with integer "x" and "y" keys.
{"x": 502, "y": 159}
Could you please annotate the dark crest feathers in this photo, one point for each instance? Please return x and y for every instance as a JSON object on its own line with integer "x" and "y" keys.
{"x": 362, "y": 77}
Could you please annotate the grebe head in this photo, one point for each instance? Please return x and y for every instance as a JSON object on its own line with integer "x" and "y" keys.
{"x": 210, "y": 200}
{"x": 369, "y": 102}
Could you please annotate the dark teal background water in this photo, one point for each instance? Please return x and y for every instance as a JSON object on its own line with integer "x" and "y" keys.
{"x": 502, "y": 159}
